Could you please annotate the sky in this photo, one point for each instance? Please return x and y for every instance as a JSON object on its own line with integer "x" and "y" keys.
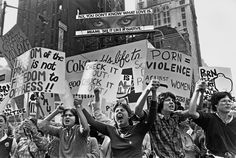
{"x": 216, "y": 21}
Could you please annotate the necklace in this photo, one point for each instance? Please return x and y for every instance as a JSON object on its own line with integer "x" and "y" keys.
{"x": 124, "y": 131}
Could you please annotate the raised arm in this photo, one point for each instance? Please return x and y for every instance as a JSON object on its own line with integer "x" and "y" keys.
{"x": 153, "y": 106}
{"x": 199, "y": 89}
{"x": 100, "y": 127}
{"x": 97, "y": 112}
{"x": 45, "y": 126}
{"x": 82, "y": 118}
{"x": 142, "y": 99}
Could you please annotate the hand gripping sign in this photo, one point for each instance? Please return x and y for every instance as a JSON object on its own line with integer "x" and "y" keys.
{"x": 102, "y": 75}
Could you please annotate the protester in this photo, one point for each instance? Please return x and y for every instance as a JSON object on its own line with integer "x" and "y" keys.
{"x": 126, "y": 138}
{"x": 31, "y": 142}
{"x": 7, "y": 144}
{"x": 73, "y": 137}
{"x": 92, "y": 148}
{"x": 190, "y": 148}
{"x": 165, "y": 132}
{"x": 220, "y": 126}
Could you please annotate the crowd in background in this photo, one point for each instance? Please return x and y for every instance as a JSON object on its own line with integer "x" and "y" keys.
{"x": 165, "y": 129}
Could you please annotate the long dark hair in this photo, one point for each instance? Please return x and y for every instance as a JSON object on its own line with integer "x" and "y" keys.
{"x": 74, "y": 112}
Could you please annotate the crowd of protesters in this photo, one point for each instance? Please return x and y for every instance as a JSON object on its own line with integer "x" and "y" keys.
{"x": 162, "y": 130}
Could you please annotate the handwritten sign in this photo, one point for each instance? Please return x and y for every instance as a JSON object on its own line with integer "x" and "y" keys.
{"x": 4, "y": 89}
{"x": 172, "y": 69}
{"x": 217, "y": 79}
{"x": 13, "y": 44}
{"x": 124, "y": 56}
{"x": 102, "y": 75}
{"x": 38, "y": 70}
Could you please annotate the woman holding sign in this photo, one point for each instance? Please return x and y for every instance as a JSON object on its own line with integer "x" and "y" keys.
{"x": 126, "y": 138}
{"x": 73, "y": 138}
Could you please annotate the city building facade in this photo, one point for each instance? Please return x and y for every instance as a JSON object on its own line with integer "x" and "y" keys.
{"x": 178, "y": 14}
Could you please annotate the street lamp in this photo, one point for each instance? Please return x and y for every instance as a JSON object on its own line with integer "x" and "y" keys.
{"x": 156, "y": 36}
{"x": 41, "y": 17}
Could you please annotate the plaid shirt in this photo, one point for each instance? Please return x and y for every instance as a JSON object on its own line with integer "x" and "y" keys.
{"x": 165, "y": 136}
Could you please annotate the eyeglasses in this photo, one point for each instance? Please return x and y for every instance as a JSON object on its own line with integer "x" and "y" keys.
{"x": 226, "y": 101}
{"x": 69, "y": 115}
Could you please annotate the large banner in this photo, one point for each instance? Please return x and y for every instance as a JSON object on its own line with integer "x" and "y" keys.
{"x": 38, "y": 70}
{"x": 172, "y": 69}
{"x": 102, "y": 75}
{"x": 115, "y": 22}
{"x": 130, "y": 58}
{"x": 13, "y": 44}
{"x": 217, "y": 79}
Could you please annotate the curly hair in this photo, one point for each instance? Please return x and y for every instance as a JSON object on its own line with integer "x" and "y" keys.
{"x": 217, "y": 96}
{"x": 161, "y": 99}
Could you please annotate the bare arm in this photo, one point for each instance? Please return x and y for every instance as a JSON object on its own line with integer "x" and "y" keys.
{"x": 45, "y": 126}
{"x": 82, "y": 118}
{"x": 198, "y": 92}
{"x": 141, "y": 100}
{"x": 97, "y": 112}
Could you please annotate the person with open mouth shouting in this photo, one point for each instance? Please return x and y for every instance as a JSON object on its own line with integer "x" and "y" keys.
{"x": 73, "y": 137}
{"x": 165, "y": 132}
{"x": 126, "y": 138}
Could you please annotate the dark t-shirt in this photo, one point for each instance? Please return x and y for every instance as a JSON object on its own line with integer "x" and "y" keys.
{"x": 220, "y": 137}
{"x": 128, "y": 145}
{"x": 5, "y": 147}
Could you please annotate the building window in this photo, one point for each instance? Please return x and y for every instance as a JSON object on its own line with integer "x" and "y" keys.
{"x": 184, "y": 23}
{"x": 159, "y": 22}
{"x": 182, "y": 9}
{"x": 182, "y": 2}
{"x": 179, "y": 24}
{"x": 140, "y": 5}
{"x": 2, "y": 77}
{"x": 183, "y": 16}
{"x": 156, "y": 23}
{"x": 164, "y": 14}
{"x": 168, "y": 13}
{"x": 168, "y": 19}
{"x": 165, "y": 21}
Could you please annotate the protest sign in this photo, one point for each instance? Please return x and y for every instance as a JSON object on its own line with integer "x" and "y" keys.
{"x": 38, "y": 70}
{"x": 46, "y": 101}
{"x": 102, "y": 75}
{"x": 172, "y": 69}
{"x": 217, "y": 79}
{"x": 115, "y": 22}
{"x": 66, "y": 97}
{"x": 127, "y": 56}
{"x": 13, "y": 44}
{"x": 4, "y": 89}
